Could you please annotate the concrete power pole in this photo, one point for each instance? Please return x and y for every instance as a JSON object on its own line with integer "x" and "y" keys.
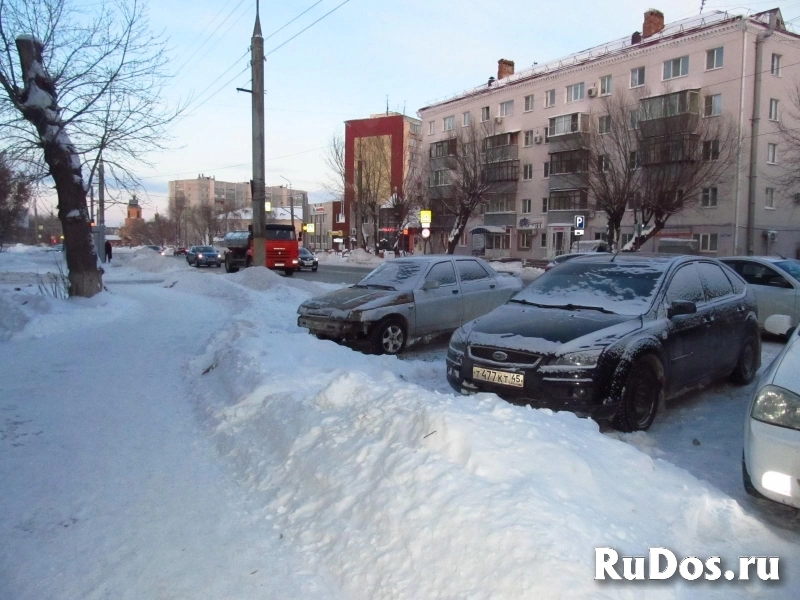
{"x": 259, "y": 170}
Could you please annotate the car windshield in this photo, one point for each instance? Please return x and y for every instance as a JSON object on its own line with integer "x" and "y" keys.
{"x": 792, "y": 267}
{"x": 623, "y": 288}
{"x": 202, "y": 249}
{"x": 279, "y": 234}
{"x": 394, "y": 274}
{"x": 304, "y": 252}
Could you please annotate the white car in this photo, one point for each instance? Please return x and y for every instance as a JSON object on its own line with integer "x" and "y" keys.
{"x": 771, "y": 463}
{"x": 776, "y": 283}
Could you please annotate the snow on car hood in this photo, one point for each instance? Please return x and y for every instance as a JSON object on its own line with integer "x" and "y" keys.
{"x": 356, "y": 297}
{"x": 529, "y": 328}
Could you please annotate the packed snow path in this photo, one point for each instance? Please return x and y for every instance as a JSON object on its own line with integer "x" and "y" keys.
{"x": 107, "y": 490}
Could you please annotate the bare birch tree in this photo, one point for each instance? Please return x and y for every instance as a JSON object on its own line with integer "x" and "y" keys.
{"x": 79, "y": 88}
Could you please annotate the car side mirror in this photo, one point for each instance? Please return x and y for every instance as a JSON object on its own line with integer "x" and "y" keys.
{"x": 430, "y": 284}
{"x": 681, "y": 307}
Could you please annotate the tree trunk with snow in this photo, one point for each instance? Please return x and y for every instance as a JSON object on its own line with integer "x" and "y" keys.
{"x": 37, "y": 102}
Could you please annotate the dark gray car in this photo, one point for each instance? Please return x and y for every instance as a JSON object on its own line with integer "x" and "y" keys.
{"x": 406, "y": 299}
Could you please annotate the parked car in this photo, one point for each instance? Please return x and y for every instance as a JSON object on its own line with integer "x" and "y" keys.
{"x": 771, "y": 458}
{"x": 168, "y": 251}
{"x": 204, "y": 256}
{"x": 154, "y": 248}
{"x": 180, "y": 251}
{"x": 609, "y": 336}
{"x": 776, "y": 283}
{"x": 406, "y": 299}
{"x": 307, "y": 259}
{"x": 580, "y": 248}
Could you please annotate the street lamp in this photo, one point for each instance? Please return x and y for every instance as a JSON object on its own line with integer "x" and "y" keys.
{"x": 291, "y": 199}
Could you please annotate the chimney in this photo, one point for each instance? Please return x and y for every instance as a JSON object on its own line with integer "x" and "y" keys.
{"x": 504, "y": 68}
{"x": 653, "y": 22}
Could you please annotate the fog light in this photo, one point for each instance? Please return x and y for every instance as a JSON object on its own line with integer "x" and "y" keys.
{"x": 579, "y": 392}
{"x": 777, "y": 482}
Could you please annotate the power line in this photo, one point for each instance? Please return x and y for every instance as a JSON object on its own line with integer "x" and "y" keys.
{"x": 307, "y": 28}
{"x": 293, "y": 20}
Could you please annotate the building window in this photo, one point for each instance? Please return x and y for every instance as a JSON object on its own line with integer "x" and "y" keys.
{"x": 605, "y": 85}
{"x": 773, "y": 109}
{"x": 466, "y": 120}
{"x": 711, "y": 150}
{"x": 624, "y": 238}
{"x": 526, "y": 206}
{"x": 547, "y": 170}
{"x": 431, "y": 127}
{"x": 543, "y": 241}
{"x": 501, "y": 203}
{"x": 714, "y": 58}
{"x": 569, "y": 161}
{"x": 416, "y": 128}
{"x": 603, "y": 164}
{"x": 549, "y": 98}
{"x": 633, "y": 159}
{"x": 527, "y": 172}
{"x": 565, "y": 124}
{"x": 497, "y": 241}
{"x": 634, "y": 114}
{"x": 604, "y": 124}
{"x": 575, "y": 92}
{"x": 637, "y": 77}
{"x": 707, "y": 241}
{"x": 544, "y": 205}
{"x": 506, "y": 108}
{"x": 713, "y": 105}
{"x": 775, "y": 66}
{"x": 440, "y": 177}
{"x": 448, "y": 124}
{"x": 569, "y": 200}
{"x": 485, "y": 113}
{"x": 772, "y": 154}
{"x": 528, "y": 138}
{"x": 529, "y": 103}
{"x": 677, "y": 67}
{"x": 709, "y": 199}
{"x": 443, "y": 148}
{"x": 769, "y": 200}
{"x": 524, "y": 240}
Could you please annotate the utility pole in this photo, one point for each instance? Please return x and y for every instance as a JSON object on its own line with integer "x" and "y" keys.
{"x": 100, "y": 226}
{"x": 291, "y": 200}
{"x": 259, "y": 169}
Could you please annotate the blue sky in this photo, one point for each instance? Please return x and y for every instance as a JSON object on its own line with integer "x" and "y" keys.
{"x": 345, "y": 66}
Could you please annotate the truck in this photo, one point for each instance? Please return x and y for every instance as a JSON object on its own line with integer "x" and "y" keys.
{"x": 282, "y": 249}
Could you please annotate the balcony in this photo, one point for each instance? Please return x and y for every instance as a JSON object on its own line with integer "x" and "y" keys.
{"x": 568, "y": 200}
{"x": 568, "y": 124}
{"x": 669, "y": 149}
{"x": 678, "y": 112}
{"x": 496, "y": 172}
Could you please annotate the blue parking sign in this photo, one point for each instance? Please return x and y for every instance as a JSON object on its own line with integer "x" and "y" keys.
{"x": 580, "y": 221}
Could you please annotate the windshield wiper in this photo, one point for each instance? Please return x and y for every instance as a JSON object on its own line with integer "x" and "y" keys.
{"x": 376, "y": 285}
{"x": 581, "y": 306}
{"x": 522, "y": 301}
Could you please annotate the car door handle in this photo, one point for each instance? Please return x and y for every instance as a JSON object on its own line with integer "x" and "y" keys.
{"x": 709, "y": 319}
{"x": 455, "y": 291}
{"x": 740, "y": 309}
{"x": 491, "y": 286}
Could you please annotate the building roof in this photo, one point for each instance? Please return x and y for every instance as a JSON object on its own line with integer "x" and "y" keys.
{"x": 619, "y": 46}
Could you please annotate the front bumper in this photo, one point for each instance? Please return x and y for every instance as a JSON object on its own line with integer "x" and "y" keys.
{"x": 208, "y": 260}
{"x": 775, "y": 450}
{"x": 574, "y": 391}
{"x": 332, "y": 328}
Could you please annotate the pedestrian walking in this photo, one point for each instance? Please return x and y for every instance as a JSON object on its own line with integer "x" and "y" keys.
{"x": 108, "y": 251}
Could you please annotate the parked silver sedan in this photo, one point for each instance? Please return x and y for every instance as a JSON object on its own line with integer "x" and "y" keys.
{"x": 407, "y": 299}
{"x": 776, "y": 283}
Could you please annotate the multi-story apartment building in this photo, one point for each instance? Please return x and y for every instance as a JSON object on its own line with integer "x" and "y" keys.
{"x": 379, "y": 151}
{"x": 718, "y": 64}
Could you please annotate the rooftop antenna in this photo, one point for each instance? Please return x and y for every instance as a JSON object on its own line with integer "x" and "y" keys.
{"x": 387, "y": 104}
{"x": 702, "y": 4}
{"x": 404, "y": 107}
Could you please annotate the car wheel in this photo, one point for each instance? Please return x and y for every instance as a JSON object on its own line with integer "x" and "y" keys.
{"x": 388, "y": 337}
{"x": 196, "y": 264}
{"x": 248, "y": 262}
{"x": 313, "y": 269}
{"x": 746, "y": 367}
{"x": 640, "y": 397}
{"x": 228, "y": 267}
{"x": 288, "y": 272}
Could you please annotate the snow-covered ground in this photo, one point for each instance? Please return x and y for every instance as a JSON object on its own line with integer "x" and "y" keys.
{"x": 179, "y": 437}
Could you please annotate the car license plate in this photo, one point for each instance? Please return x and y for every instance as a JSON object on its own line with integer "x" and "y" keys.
{"x": 501, "y": 377}
{"x": 278, "y": 264}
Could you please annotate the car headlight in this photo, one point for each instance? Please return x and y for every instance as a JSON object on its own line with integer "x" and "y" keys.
{"x": 458, "y": 341}
{"x": 219, "y": 255}
{"x": 777, "y": 406}
{"x": 582, "y": 359}
{"x": 199, "y": 256}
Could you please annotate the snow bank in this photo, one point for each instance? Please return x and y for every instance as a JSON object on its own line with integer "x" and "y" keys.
{"x": 404, "y": 492}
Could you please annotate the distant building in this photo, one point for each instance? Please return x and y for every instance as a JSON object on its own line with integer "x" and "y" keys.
{"x": 692, "y": 69}
{"x": 400, "y": 136}
{"x": 131, "y": 231}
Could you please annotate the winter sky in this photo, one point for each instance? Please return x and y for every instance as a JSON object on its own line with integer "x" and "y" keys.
{"x": 348, "y": 64}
